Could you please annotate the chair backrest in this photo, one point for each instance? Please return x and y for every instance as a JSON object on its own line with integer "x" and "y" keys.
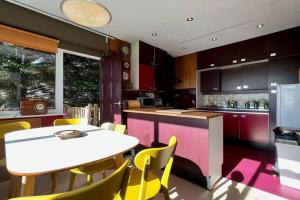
{"x": 16, "y": 126}
{"x": 69, "y": 121}
{"x": 159, "y": 157}
{"x": 119, "y": 128}
{"x": 155, "y": 159}
{"x": 108, "y": 189}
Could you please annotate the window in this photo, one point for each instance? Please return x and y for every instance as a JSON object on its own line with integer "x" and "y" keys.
{"x": 81, "y": 80}
{"x": 25, "y": 73}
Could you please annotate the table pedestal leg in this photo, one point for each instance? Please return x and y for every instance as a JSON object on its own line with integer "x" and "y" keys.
{"x": 27, "y": 188}
{"x": 118, "y": 160}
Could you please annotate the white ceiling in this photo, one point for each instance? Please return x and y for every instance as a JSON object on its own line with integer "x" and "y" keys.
{"x": 228, "y": 20}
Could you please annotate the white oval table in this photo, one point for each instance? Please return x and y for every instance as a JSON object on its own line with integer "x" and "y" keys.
{"x": 37, "y": 151}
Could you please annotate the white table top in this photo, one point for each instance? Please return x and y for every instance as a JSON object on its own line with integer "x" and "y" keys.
{"x": 38, "y": 151}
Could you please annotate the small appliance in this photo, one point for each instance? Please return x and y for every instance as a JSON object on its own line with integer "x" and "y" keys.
{"x": 146, "y": 101}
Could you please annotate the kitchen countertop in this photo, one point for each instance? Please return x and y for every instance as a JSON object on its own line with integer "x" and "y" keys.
{"x": 188, "y": 114}
{"x": 235, "y": 110}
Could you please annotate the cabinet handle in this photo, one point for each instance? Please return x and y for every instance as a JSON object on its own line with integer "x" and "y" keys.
{"x": 245, "y": 87}
{"x": 243, "y": 116}
{"x": 273, "y": 84}
{"x": 273, "y": 54}
{"x": 212, "y": 64}
{"x": 234, "y": 61}
{"x": 234, "y": 116}
{"x": 215, "y": 88}
{"x": 243, "y": 59}
{"x": 239, "y": 87}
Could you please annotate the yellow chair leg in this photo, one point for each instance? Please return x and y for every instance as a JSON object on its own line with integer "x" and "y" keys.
{"x": 89, "y": 179}
{"x": 53, "y": 179}
{"x": 72, "y": 180}
{"x": 166, "y": 193}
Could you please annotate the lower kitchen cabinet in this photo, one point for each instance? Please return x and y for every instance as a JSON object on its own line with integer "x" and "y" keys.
{"x": 254, "y": 128}
{"x": 250, "y": 127}
{"x": 231, "y": 125}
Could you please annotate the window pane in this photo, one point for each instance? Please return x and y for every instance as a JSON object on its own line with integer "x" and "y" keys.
{"x": 81, "y": 80}
{"x": 25, "y": 73}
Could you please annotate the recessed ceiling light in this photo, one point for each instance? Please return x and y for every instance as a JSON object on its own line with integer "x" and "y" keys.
{"x": 214, "y": 39}
{"x": 189, "y": 19}
{"x": 182, "y": 48}
{"x": 260, "y": 25}
{"x": 86, "y": 12}
{"x": 154, "y": 34}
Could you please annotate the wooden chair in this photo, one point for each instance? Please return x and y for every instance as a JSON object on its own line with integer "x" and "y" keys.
{"x": 6, "y": 128}
{"x": 109, "y": 188}
{"x": 143, "y": 182}
{"x": 90, "y": 170}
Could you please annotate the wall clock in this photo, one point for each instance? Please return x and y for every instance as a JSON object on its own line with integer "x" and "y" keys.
{"x": 125, "y": 49}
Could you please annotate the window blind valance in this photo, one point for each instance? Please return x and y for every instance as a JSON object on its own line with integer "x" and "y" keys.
{"x": 27, "y": 39}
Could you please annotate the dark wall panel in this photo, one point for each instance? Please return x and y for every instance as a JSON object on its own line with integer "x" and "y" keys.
{"x": 71, "y": 37}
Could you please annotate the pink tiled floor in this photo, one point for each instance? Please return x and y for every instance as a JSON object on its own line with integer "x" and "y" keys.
{"x": 253, "y": 167}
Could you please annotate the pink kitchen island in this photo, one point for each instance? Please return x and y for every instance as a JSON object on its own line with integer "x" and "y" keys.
{"x": 199, "y": 153}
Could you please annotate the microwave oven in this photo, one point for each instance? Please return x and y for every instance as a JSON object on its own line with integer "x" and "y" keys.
{"x": 146, "y": 101}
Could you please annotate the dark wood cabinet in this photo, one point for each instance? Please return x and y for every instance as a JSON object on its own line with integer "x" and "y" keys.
{"x": 255, "y": 77}
{"x": 254, "y": 127}
{"x": 206, "y": 59}
{"x": 161, "y": 69}
{"x": 231, "y": 125}
{"x": 210, "y": 81}
{"x": 253, "y": 49}
{"x": 227, "y": 55}
{"x": 146, "y": 54}
{"x": 231, "y": 80}
{"x": 284, "y": 43}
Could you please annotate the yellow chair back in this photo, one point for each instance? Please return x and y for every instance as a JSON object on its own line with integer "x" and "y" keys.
{"x": 73, "y": 121}
{"x": 156, "y": 159}
{"x": 16, "y": 126}
{"x": 108, "y": 189}
{"x": 119, "y": 128}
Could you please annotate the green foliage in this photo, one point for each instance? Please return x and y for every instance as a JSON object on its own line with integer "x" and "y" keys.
{"x": 81, "y": 80}
{"x": 25, "y": 73}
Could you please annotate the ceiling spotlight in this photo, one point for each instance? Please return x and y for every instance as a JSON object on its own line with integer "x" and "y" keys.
{"x": 86, "y": 12}
{"x": 189, "y": 19}
{"x": 260, "y": 25}
{"x": 214, "y": 39}
{"x": 182, "y": 48}
{"x": 154, "y": 34}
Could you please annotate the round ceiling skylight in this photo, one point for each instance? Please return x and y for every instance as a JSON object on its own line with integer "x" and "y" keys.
{"x": 86, "y": 12}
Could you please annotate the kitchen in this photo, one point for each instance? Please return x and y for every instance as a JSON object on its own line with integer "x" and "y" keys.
{"x": 238, "y": 80}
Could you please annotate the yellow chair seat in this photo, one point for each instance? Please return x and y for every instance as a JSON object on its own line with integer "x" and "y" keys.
{"x": 134, "y": 185}
{"x": 94, "y": 168}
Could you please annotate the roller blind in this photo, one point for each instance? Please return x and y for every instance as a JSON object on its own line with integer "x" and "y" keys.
{"x": 27, "y": 39}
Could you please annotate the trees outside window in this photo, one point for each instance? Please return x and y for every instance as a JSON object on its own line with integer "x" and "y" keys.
{"x": 81, "y": 80}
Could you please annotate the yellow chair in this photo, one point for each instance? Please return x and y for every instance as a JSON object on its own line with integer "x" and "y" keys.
{"x": 143, "y": 182}
{"x": 90, "y": 170}
{"x": 74, "y": 121}
{"x": 6, "y": 128}
{"x": 107, "y": 189}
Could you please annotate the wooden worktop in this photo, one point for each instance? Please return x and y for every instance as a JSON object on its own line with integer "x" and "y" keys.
{"x": 190, "y": 114}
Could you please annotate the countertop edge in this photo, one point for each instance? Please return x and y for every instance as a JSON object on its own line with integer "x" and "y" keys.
{"x": 175, "y": 115}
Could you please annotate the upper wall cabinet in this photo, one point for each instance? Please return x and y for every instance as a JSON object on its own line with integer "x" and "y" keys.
{"x": 284, "y": 43}
{"x": 206, "y": 59}
{"x": 245, "y": 51}
{"x": 146, "y": 53}
{"x": 185, "y": 71}
{"x": 253, "y": 49}
{"x": 227, "y": 55}
{"x": 210, "y": 81}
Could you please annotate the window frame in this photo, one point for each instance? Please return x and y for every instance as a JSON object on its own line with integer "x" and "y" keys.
{"x": 59, "y": 86}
